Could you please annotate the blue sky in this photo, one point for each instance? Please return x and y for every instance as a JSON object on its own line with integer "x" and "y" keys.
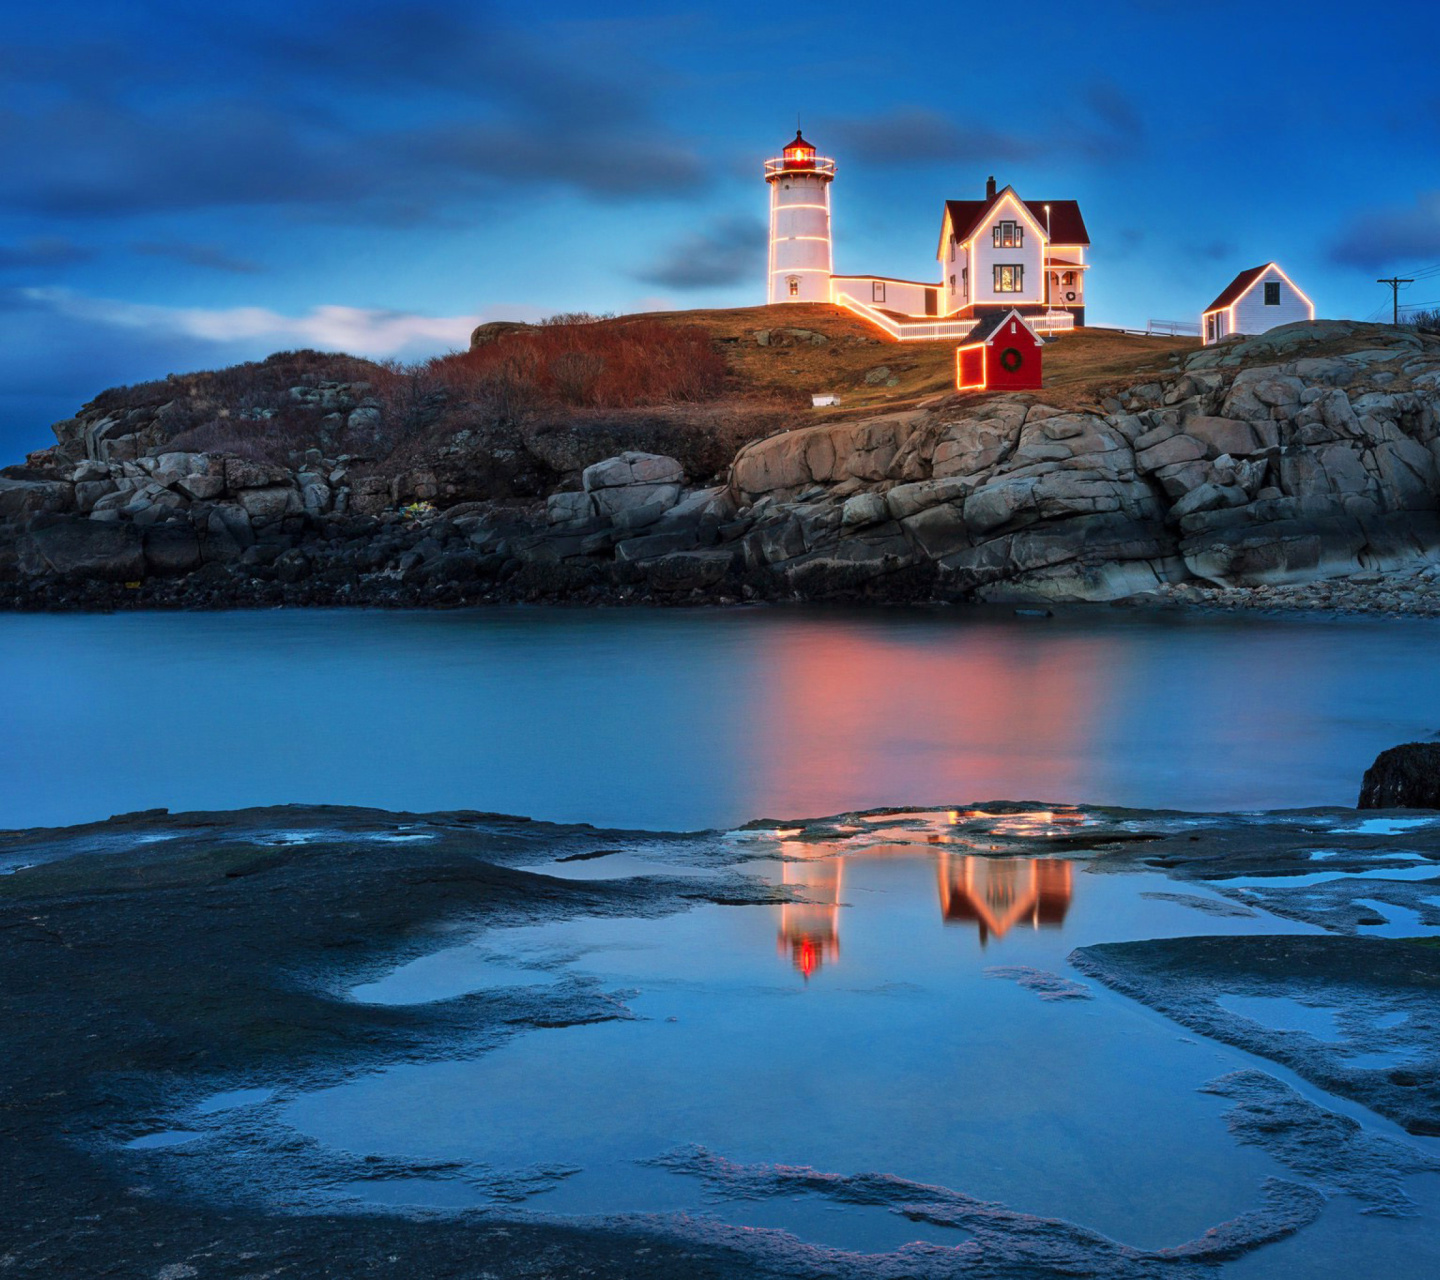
{"x": 183, "y": 186}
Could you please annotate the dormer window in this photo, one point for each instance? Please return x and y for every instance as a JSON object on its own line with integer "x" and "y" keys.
{"x": 1008, "y": 235}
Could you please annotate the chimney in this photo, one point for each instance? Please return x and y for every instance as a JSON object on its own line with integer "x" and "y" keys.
{"x": 990, "y": 187}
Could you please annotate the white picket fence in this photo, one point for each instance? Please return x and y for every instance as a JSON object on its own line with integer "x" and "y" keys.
{"x": 940, "y": 330}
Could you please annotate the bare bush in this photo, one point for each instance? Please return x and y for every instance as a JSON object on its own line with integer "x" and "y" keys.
{"x": 575, "y": 375}
{"x": 576, "y": 317}
{"x": 621, "y": 365}
{"x": 1425, "y": 319}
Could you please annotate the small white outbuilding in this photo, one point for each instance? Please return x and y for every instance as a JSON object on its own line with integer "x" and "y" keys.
{"x": 1256, "y": 300}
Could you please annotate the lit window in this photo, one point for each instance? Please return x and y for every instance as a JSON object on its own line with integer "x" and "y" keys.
{"x": 1272, "y": 293}
{"x": 1009, "y": 278}
{"x": 1008, "y": 235}
{"x": 1069, "y": 277}
{"x": 877, "y": 291}
{"x": 794, "y": 282}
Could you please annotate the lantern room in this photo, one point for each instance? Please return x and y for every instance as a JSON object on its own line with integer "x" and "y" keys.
{"x": 1001, "y": 353}
{"x": 798, "y": 154}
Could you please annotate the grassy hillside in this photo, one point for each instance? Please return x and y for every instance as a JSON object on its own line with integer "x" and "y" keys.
{"x": 1079, "y": 367}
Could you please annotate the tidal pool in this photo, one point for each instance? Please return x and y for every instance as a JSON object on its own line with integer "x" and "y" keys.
{"x": 889, "y": 1024}
{"x": 895, "y": 1041}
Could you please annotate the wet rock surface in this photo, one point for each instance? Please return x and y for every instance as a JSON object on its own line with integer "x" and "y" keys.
{"x": 151, "y": 960}
{"x": 156, "y": 952}
{"x": 1001, "y": 1242}
{"x": 1369, "y": 981}
{"x": 1320, "y": 1145}
{"x": 1208, "y": 905}
{"x": 1295, "y": 470}
{"x": 1048, "y": 986}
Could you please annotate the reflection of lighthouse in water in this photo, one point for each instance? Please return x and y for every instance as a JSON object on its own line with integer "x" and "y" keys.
{"x": 810, "y": 931}
{"x": 996, "y": 894}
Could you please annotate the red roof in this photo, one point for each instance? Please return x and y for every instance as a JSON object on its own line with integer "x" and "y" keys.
{"x": 1066, "y": 224}
{"x": 799, "y": 142}
{"x": 1237, "y": 287}
{"x": 989, "y": 326}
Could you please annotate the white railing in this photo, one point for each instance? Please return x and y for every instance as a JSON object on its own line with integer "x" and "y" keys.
{"x": 1052, "y": 322}
{"x": 906, "y": 331}
{"x": 1171, "y": 329}
{"x": 815, "y": 164}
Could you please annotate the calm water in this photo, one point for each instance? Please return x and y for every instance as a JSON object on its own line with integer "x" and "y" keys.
{"x": 884, "y": 1025}
{"x": 683, "y": 720}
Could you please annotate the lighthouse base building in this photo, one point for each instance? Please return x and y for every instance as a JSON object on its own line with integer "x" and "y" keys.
{"x": 996, "y": 255}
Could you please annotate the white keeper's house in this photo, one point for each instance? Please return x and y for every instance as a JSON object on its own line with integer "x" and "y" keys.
{"x": 1256, "y": 300}
{"x": 995, "y": 254}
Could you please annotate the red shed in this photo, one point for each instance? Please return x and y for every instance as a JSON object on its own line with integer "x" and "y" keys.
{"x": 1001, "y": 353}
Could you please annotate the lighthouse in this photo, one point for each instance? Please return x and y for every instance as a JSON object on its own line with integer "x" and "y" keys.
{"x": 800, "y": 256}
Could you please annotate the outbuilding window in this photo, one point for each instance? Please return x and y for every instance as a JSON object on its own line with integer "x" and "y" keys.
{"x": 1008, "y": 235}
{"x": 1272, "y": 293}
{"x": 877, "y": 291}
{"x": 1009, "y": 278}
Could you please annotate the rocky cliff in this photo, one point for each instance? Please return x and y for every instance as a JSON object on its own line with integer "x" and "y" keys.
{"x": 1309, "y": 454}
{"x": 1258, "y": 462}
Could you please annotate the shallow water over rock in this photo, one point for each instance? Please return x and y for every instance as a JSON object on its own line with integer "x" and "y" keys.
{"x": 863, "y": 1066}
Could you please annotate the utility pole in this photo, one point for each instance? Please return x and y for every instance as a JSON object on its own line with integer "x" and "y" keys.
{"x": 1395, "y": 282}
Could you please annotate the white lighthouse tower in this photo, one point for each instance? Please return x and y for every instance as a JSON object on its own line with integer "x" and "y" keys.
{"x": 800, "y": 256}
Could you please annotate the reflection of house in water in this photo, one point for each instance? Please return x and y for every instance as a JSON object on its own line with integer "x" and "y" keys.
{"x": 810, "y": 931}
{"x": 996, "y": 894}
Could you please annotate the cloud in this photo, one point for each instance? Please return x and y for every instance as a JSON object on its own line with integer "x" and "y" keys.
{"x": 358, "y": 330}
{"x": 1380, "y": 238}
{"x": 918, "y": 135}
{"x": 1214, "y": 251}
{"x": 729, "y": 251}
{"x": 46, "y": 251}
{"x": 1104, "y": 123}
{"x": 88, "y": 159}
{"x": 493, "y": 157}
{"x": 388, "y": 112}
{"x": 1114, "y": 111}
{"x": 199, "y": 255}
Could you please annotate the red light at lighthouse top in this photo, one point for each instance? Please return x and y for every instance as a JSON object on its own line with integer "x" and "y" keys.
{"x": 799, "y": 157}
{"x": 799, "y": 154}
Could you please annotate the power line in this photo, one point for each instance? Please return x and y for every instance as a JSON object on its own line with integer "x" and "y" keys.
{"x": 1424, "y": 273}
